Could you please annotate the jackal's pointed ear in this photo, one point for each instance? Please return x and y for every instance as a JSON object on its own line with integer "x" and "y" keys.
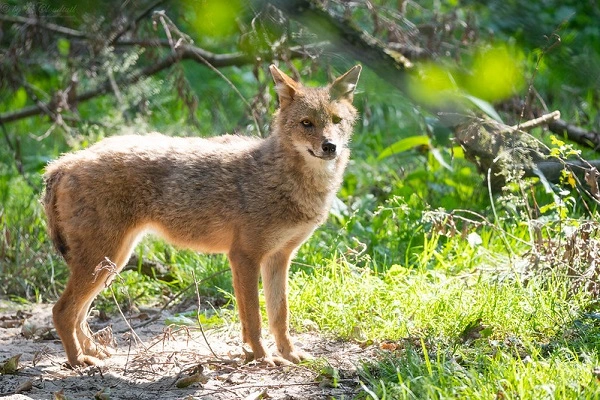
{"x": 343, "y": 87}
{"x": 286, "y": 87}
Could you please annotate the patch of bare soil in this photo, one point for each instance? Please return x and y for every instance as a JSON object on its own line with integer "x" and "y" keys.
{"x": 157, "y": 361}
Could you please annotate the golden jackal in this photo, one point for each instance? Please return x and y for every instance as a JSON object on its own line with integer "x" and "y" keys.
{"x": 255, "y": 199}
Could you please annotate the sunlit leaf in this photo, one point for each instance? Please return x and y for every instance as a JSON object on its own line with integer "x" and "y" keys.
{"x": 180, "y": 320}
{"x": 437, "y": 154}
{"x": 485, "y": 106}
{"x": 404, "y": 145}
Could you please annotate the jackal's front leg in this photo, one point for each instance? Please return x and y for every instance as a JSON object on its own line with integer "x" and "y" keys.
{"x": 275, "y": 275}
{"x": 245, "y": 270}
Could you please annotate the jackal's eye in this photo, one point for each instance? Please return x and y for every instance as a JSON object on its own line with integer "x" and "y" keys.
{"x": 335, "y": 119}
{"x": 306, "y": 123}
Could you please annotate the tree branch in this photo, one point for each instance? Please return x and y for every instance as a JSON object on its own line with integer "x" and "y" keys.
{"x": 558, "y": 126}
{"x": 575, "y": 133}
{"x": 553, "y": 169}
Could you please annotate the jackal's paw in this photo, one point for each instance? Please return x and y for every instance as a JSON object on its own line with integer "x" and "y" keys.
{"x": 98, "y": 352}
{"x": 95, "y": 350}
{"x": 295, "y": 356}
{"x": 273, "y": 361}
{"x": 266, "y": 360}
{"x": 83, "y": 361}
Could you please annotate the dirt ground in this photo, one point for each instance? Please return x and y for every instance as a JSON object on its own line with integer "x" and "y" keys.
{"x": 161, "y": 359}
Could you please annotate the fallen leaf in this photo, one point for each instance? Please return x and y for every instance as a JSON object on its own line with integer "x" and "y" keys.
{"x": 389, "y": 346}
{"x": 591, "y": 178}
{"x": 358, "y": 334}
{"x": 60, "y": 395}
{"x": 28, "y": 330}
{"x": 475, "y": 330}
{"x": 103, "y": 394}
{"x": 10, "y": 366}
{"x": 198, "y": 377}
{"x": 142, "y": 316}
{"x": 11, "y": 323}
{"x": 24, "y": 387}
{"x": 248, "y": 355}
{"x": 23, "y": 314}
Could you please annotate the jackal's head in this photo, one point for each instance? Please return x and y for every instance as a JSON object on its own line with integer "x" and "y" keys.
{"x": 316, "y": 122}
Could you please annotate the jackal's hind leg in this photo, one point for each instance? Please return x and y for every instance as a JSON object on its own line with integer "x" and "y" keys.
{"x": 86, "y": 338}
{"x": 92, "y": 269}
{"x": 80, "y": 291}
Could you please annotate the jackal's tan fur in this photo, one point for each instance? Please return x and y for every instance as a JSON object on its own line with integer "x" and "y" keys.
{"x": 255, "y": 199}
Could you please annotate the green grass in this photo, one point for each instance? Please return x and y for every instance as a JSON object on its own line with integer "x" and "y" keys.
{"x": 29, "y": 267}
{"x": 475, "y": 332}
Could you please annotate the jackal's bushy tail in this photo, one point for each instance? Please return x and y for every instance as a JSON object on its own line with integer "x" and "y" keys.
{"x": 49, "y": 201}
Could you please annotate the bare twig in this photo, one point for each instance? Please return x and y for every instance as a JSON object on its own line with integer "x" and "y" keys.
{"x": 534, "y": 123}
{"x": 133, "y": 332}
{"x": 169, "y": 25}
{"x": 560, "y": 127}
{"x": 162, "y": 17}
{"x": 114, "y": 86}
{"x": 134, "y": 22}
{"x": 45, "y": 25}
{"x": 198, "y": 318}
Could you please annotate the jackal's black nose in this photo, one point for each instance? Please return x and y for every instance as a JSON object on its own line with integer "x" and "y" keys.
{"x": 328, "y": 147}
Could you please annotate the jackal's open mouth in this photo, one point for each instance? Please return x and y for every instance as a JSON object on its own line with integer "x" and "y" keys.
{"x": 321, "y": 156}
